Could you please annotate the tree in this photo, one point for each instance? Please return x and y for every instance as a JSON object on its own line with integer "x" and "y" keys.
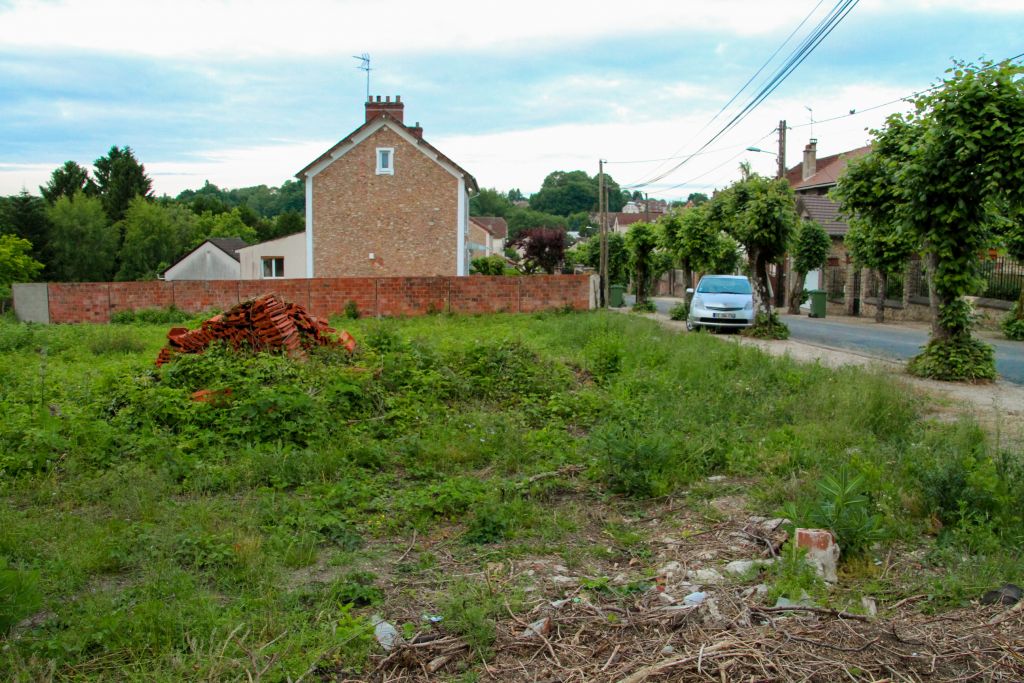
{"x": 287, "y": 223}
{"x": 697, "y": 198}
{"x": 810, "y": 252}
{"x": 228, "y": 224}
{"x": 515, "y": 195}
{"x": 154, "y": 236}
{"x": 761, "y": 215}
{"x": 488, "y": 265}
{"x": 542, "y": 249}
{"x": 961, "y": 172}
{"x": 522, "y": 219}
{"x": 16, "y": 264}
{"x": 696, "y": 243}
{"x": 83, "y": 243}
{"x": 644, "y": 263}
{"x": 25, "y": 216}
{"x": 590, "y": 255}
{"x": 489, "y": 202}
{"x": 119, "y": 179}
{"x": 1013, "y": 239}
{"x": 66, "y": 181}
{"x": 567, "y": 192}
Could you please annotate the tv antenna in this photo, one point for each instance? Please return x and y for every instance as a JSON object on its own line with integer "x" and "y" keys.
{"x": 805, "y": 107}
{"x": 364, "y": 65}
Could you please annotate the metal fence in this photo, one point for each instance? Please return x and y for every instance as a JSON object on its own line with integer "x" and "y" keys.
{"x": 835, "y": 280}
{"x": 1004, "y": 278}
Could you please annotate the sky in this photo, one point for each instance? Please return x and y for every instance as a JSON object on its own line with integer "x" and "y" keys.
{"x": 248, "y": 92}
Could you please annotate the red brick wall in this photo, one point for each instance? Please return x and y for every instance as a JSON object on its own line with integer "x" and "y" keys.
{"x": 76, "y": 302}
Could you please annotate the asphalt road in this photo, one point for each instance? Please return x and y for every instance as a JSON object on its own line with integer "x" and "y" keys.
{"x": 888, "y": 340}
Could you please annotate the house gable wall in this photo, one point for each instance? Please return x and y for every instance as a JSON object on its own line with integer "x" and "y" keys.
{"x": 207, "y": 262}
{"x": 409, "y": 221}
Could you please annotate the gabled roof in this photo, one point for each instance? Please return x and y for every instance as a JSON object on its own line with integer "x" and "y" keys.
{"x": 620, "y": 218}
{"x": 828, "y": 169}
{"x": 495, "y": 225}
{"x": 229, "y": 245}
{"x": 276, "y": 239}
{"x": 371, "y": 126}
{"x": 820, "y": 208}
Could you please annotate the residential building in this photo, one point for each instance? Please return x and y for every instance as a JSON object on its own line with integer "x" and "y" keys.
{"x": 284, "y": 257}
{"x": 215, "y": 259}
{"x": 487, "y": 236}
{"x": 385, "y": 202}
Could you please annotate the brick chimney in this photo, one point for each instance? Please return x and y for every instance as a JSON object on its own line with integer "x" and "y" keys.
{"x": 810, "y": 159}
{"x": 417, "y": 130}
{"x": 375, "y": 107}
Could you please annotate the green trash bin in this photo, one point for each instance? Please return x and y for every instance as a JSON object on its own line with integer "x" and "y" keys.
{"x": 615, "y": 295}
{"x": 817, "y": 303}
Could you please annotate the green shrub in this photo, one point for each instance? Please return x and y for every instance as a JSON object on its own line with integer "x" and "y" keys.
{"x": 844, "y": 509}
{"x": 110, "y": 340}
{"x": 604, "y": 355}
{"x": 794, "y": 578}
{"x": 357, "y": 589}
{"x": 632, "y": 459}
{"x": 351, "y": 310}
{"x": 1013, "y": 324}
{"x": 646, "y": 306}
{"x": 15, "y": 336}
{"x": 961, "y": 358}
{"x": 152, "y": 316}
{"x": 488, "y": 265}
{"x": 767, "y": 327}
{"x": 680, "y": 311}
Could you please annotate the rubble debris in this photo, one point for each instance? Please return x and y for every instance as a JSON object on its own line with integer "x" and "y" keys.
{"x": 705, "y": 576}
{"x": 870, "y": 605}
{"x": 264, "y": 323}
{"x": 539, "y": 628}
{"x": 822, "y": 551}
{"x": 741, "y": 567}
{"x": 385, "y": 633}
{"x": 694, "y": 598}
{"x": 1007, "y": 594}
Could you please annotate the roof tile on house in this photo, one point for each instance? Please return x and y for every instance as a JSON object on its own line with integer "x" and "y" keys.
{"x": 619, "y": 218}
{"x": 828, "y": 169}
{"x": 820, "y": 208}
{"x": 495, "y": 225}
{"x": 229, "y": 245}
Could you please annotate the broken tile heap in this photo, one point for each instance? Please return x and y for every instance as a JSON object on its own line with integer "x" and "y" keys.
{"x": 264, "y": 323}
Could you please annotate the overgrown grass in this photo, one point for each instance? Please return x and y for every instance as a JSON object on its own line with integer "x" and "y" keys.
{"x": 157, "y": 537}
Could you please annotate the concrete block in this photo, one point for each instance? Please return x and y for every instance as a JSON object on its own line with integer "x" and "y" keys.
{"x": 32, "y": 302}
{"x": 822, "y": 551}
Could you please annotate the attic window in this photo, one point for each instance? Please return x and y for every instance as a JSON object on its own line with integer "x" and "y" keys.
{"x": 385, "y": 161}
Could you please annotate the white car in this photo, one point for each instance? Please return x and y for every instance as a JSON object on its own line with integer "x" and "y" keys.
{"x": 721, "y": 302}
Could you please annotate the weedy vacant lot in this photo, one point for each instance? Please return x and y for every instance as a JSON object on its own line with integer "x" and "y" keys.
{"x": 465, "y": 478}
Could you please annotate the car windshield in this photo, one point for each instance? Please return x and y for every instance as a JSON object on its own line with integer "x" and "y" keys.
{"x": 724, "y": 285}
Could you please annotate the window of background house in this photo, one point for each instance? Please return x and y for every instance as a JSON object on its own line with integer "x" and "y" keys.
{"x": 385, "y": 161}
{"x": 273, "y": 266}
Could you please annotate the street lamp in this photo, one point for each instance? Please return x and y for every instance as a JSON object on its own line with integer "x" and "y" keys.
{"x": 764, "y": 151}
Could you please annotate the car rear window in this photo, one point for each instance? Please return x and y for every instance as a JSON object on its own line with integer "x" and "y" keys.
{"x": 724, "y": 285}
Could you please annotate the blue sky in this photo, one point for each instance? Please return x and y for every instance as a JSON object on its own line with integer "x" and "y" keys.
{"x": 241, "y": 93}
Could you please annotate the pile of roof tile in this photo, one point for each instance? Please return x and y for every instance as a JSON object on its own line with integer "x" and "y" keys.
{"x": 264, "y": 323}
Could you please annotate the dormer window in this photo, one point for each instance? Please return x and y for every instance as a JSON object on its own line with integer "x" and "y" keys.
{"x": 385, "y": 161}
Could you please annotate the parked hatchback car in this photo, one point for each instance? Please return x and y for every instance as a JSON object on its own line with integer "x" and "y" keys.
{"x": 721, "y": 302}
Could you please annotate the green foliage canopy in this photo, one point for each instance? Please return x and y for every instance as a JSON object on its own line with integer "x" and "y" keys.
{"x": 119, "y": 179}
{"x": 83, "y": 242}
{"x": 154, "y": 236}
{"x": 66, "y": 180}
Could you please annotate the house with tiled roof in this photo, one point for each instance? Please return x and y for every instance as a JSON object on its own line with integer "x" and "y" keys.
{"x": 487, "y": 235}
{"x": 215, "y": 259}
{"x": 385, "y": 202}
{"x": 811, "y": 180}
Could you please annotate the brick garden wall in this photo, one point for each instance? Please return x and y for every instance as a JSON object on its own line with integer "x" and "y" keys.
{"x": 77, "y": 302}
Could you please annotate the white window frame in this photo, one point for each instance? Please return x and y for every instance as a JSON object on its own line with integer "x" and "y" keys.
{"x": 388, "y": 169}
{"x": 273, "y": 270}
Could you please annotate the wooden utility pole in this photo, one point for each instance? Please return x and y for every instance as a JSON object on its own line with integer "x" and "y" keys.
{"x": 782, "y": 296}
{"x": 601, "y": 206}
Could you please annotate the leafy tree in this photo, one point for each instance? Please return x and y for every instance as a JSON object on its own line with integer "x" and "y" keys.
{"x": 698, "y": 198}
{"x": 589, "y": 254}
{"x": 66, "y": 181}
{"x": 515, "y": 195}
{"x": 489, "y": 202}
{"x": 962, "y": 170}
{"x": 154, "y": 236}
{"x": 287, "y": 223}
{"x": 810, "y": 252}
{"x": 228, "y": 224}
{"x": 1013, "y": 238}
{"x": 542, "y": 249}
{"x": 488, "y": 265}
{"x": 83, "y": 243}
{"x": 119, "y": 179}
{"x": 16, "y": 263}
{"x": 25, "y": 216}
{"x": 696, "y": 243}
{"x": 568, "y": 192}
{"x": 645, "y": 263}
{"x": 761, "y": 215}
{"x": 522, "y": 219}
{"x": 580, "y": 222}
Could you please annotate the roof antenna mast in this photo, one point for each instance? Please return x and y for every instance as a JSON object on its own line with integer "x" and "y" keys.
{"x": 364, "y": 65}
{"x": 805, "y": 107}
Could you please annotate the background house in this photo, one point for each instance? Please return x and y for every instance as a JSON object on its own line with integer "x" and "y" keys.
{"x": 384, "y": 202}
{"x": 487, "y": 236}
{"x": 215, "y": 259}
{"x": 278, "y": 258}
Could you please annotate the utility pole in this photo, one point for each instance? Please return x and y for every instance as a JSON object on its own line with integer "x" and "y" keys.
{"x": 603, "y": 266}
{"x": 782, "y": 296}
{"x": 647, "y": 208}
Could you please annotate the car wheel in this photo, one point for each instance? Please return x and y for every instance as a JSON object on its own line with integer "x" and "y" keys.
{"x": 690, "y": 327}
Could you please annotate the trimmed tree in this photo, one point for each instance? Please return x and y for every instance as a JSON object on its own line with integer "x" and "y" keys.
{"x": 696, "y": 244}
{"x": 644, "y": 263}
{"x": 542, "y": 249}
{"x": 963, "y": 173}
{"x": 761, "y": 215}
{"x": 810, "y": 251}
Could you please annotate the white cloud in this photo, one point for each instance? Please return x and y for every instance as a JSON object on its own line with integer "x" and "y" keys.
{"x": 197, "y": 29}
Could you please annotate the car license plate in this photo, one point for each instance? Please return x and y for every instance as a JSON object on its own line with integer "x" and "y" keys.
{"x": 724, "y": 315}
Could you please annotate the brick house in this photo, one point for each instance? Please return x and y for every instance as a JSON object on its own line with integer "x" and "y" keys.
{"x": 385, "y": 202}
{"x": 811, "y": 180}
{"x": 487, "y": 236}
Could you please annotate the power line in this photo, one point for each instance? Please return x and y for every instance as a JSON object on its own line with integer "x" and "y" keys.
{"x": 821, "y": 31}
